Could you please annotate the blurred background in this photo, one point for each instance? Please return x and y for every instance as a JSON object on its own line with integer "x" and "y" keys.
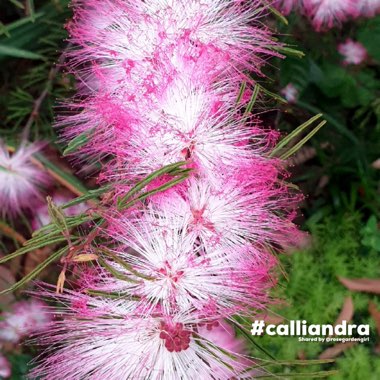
{"x": 334, "y": 275}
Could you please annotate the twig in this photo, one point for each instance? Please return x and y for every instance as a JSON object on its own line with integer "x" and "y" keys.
{"x": 38, "y": 102}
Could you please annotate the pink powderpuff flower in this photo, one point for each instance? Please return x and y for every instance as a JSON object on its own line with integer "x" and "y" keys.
{"x": 170, "y": 271}
{"x": 5, "y": 367}
{"x": 20, "y": 179}
{"x": 290, "y": 93}
{"x": 354, "y": 53}
{"x": 41, "y": 214}
{"x": 104, "y": 340}
{"x": 158, "y": 47}
{"x": 324, "y": 14}
{"x": 24, "y": 318}
{"x": 368, "y": 8}
{"x": 232, "y": 212}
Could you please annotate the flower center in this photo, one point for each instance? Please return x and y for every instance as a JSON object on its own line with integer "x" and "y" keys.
{"x": 176, "y": 338}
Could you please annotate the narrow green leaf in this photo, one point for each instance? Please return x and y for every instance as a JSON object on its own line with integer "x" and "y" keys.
{"x": 31, "y": 247}
{"x": 273, "y": 95}
{"x": 56, "y": 215}
{"x": 290, "y": 51}
{"x": 298, "y": 146}
{"x": 36, "y": 271}
{"x": 18, "y": 4}
{"x": 90, "y": 195}
{"x": 113, "y": 295}
{"x": 164, "y": 187}
{"x": 250, "y": 338}
{"x": 66, "y": 178}
{"x": 278, "y": 15}
{"x": 253, "y": 99}
{"x": 4, "y": 30}
{"x": 126, "y": 266}
{"x": 300, "y": 375}
{"x": 241, "y": 92}
{"x": 71, "y": 221}
{"x": 76, "y": 143}
{"x": 286, "y": 140}
{"x": 139, "y": 186}
{"x": 19, "y": 53}
{"x": 19, "y": 23}
{"x": 289, "y": 363}
{"x": 115, "y": 273}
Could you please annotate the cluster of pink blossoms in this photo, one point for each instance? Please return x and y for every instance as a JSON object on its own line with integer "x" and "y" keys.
{"x": 159, "y": 83}
{"x": 20, "y": 179}
{"x": 324, "y": 14}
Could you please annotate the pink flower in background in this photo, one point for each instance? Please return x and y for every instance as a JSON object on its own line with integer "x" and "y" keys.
{"x": 20, "y": 179}
{"x": 290, "y": 93}
{"x": 24, "y": 318}
{"x": 354, "y": 53}
{"x": 324, "y": 14}
{"x": 5, "y": 367}
{"x": 368, "y": 8}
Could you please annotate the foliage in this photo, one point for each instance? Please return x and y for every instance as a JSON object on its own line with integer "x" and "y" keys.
{"x": 314, "y": 293}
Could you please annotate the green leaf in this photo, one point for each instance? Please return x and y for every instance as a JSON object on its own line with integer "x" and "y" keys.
{"x": 112, "y": 295}
{"x": 36, "y": 271}
{"x": 18, "y": 4}
{"x": 241, "y": 92}
{"x": 76, "y": 143}
{"x": 299, "y": 145}
{"x": 71, "y": 221}
{"x": 19, "y": 23}
{"x": 278, "y": 15}
{"x": 250, "y": 338}
{"x": 273, "y": 95}
{"x": 147, "y": 194}
{"x": 301, "y": 375}
{"x": 290, "y": 51}
{"x": 139, "y": 186}
{"x": 67, "y": 179}
{"x": 286, "y": 140}
{"x": 253, "y": 99}
{"x": 126, "y": 266}
{"x": 115, "y": 273}
{"x": 91, "y": 195}
{"x": 19, "y": 53}
{"x": 31, "y": 246}
{"x": 57, "y": 216}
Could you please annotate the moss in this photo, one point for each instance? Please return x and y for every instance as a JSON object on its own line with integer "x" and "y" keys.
{"x": 314, "y": 293}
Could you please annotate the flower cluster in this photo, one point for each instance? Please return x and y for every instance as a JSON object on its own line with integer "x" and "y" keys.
{"x": 20, "y": 179}
{"x": 324, "y": 14}
{"x": 354, "y": 52}
{"x": 159, "y": 83}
